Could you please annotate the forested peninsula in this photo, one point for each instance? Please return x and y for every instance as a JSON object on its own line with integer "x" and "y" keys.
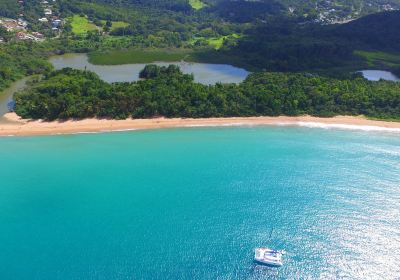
{"x": 166, "y": 91}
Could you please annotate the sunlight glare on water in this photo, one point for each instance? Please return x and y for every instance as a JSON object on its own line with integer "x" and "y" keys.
{"x": 193, "y": 203}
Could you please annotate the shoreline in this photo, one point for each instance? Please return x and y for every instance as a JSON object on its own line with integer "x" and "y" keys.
{"x": 23, "y": 127}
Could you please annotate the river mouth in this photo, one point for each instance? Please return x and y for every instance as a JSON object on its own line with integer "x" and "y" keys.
{"x": 204, "y": 73}
{"x": 6, "y": 97}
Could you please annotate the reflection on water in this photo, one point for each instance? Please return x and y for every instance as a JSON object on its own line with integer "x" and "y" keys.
{"x": 376, "y": 75}
{"x": 204, "y": 73}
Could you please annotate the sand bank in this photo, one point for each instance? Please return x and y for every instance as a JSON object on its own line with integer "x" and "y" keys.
{"x": 23, "y": 127}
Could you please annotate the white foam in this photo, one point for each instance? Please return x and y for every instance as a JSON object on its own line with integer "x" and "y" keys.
{"x": 119, "y": 130}
{"x": 348, "y": 127}
{"x": 219, "y": 125}
{"x": 320, "y": 125}
{"x": 198, "y": 125}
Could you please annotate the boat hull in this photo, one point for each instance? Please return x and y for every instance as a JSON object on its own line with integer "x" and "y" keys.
{"x": 271, "y": 264}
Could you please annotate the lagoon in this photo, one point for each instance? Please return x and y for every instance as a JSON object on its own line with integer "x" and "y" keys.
{"x": 376, "y": 75}
{"x": 204, "y": 73}
{"x": 193, "y": 203}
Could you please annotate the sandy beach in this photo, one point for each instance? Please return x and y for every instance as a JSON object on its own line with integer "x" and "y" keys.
{"x": 22, "y": 127}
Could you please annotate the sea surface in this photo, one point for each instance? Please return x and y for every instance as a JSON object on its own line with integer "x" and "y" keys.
{"x": 193, "y": 203}
{"x": 205, "y": 73}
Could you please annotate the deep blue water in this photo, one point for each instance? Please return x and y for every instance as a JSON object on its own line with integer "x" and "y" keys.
{"x": 193, "y": 203}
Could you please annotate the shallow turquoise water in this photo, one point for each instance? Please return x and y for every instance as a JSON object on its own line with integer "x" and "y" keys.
{"x": 193, "y": 203}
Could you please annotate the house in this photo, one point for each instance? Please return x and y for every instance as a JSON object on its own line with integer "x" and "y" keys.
{"x": 11, "y": 25}
{"x": 21, "y": 36}
{"x": 22, "y": 22}
{"x": 56, "y": 22}
{"x": 43, "y": 19}
{"x": 1, "y": 40}
{"x": 48, "y": 12}
{"x": 387, "y": 7}
{"x": 26, "y": 36}
{"x": 38, "y": 35}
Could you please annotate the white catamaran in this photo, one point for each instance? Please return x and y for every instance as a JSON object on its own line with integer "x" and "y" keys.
{"x": 268, "y": 256}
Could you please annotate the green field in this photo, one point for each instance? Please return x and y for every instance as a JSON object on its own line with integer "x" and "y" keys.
{"x": 81, "y": 25}
{"x": 196, "y": 4}
{"x": 215, "y": 42}
{"x": 130, "y": 56}
{"x": 117, "y": 57}
{"x": 116, "y": 24}
{"x": 379, "y": 59}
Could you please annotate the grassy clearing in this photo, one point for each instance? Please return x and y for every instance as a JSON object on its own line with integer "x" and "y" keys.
{"x": 81, "y": 25}
{"x": 197, "y": 4}
{"x": 117, "y": 57}
{"x": 379, "y": 59}
{"x": 130, "y": 56}
{"x": 116, "y": 24}
{"x": 215, "y": 42}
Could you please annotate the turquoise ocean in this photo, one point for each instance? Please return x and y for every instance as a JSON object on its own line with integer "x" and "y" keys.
{"x": 193, "y": 203}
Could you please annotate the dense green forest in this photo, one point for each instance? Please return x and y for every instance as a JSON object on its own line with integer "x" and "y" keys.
{"x": 165, "y": 91}
{"x": 273, "y": 42}
{"x": 22, "y": 59}
{"x": 246, "y": 11}
{"x": 228, "y": 32}
{"x": 9, "y": 8}
{"x": 286, "y": 45}
{"x": 315, "y": 61}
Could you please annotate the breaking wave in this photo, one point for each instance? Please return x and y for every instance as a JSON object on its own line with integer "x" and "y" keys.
{"x": 348, "y": 127}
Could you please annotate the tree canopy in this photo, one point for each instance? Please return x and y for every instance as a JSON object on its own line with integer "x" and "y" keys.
{"x": 168, "y": 92}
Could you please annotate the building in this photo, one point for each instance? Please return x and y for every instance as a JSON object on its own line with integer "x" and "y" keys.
{"x": 38, "y": 35}
{"x": 11, "y": 25}
{"x": 47, "y": 12}
{"x": 56, "y": 23}
{"x": 22, "y": 22}
{"x": 25, "y": 36}
{"x": 21, "y": 36}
